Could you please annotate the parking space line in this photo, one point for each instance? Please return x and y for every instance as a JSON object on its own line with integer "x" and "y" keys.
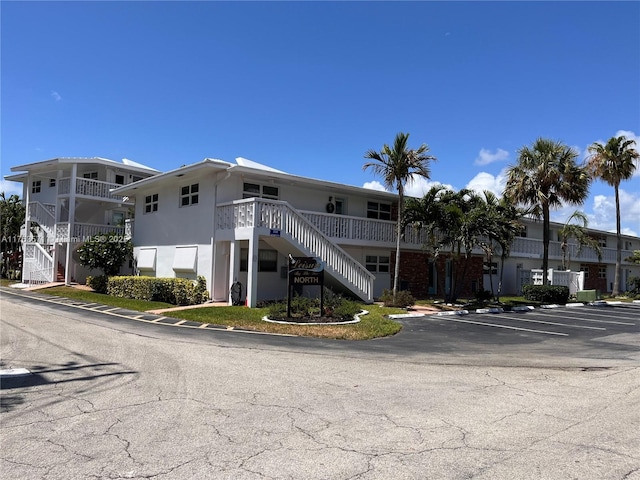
{"x": 582, "y": 319}
{"x": 545, "y": 332}
{"x": 521, "y": 319}
{"x": 157, "y": 319}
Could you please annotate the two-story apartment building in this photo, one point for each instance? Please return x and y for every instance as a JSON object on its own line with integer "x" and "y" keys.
{"x": 70, "y": 200}
{"x": 242, "y": 221}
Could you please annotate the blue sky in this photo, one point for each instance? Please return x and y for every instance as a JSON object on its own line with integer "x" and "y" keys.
{"x": 309, "y": 87}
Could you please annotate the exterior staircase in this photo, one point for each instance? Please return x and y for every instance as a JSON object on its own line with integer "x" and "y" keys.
{"x": 273, "y": 215}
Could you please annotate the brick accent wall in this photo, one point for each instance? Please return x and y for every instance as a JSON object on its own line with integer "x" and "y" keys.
{"x": 414, "y": 274}
{"x": 592, "y": 282}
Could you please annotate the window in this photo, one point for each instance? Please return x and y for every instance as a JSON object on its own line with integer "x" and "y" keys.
{"x": 90, "y": 175}
{"x": 244, "y": 259}
{"x": 523, "y": 232}
{"x": 135, "y": 178}
{"x": 267, "y": 261}
{"x": 117, "y": 218}
{"x": 35, "y": 186}
{"x": 381, "y": 211}
{"x": 585, "y": 269}
{"x": 151, "y": 203}
{"x": 377, "y": 264}
{"x": 602, "y": 241}
{"x": 490, "y": 268}
{"x": 52, "y": 182}
{"x": 602, "y": 272}
{"x": 341, "y": 206}
{"x": 253, "y": 190}
{"x": 189, "y": 195}
{"x": 119, "y": 179}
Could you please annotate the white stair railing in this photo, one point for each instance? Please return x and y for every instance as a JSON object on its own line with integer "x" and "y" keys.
{"x": 44, "y": 214}
{"x": 38, "y": 263}
{"x": 278, "y": 215}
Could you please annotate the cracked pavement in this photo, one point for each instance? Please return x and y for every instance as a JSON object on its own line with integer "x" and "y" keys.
{"x": 116, "y": 400}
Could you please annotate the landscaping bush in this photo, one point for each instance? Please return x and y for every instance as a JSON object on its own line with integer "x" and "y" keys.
{"x": 98, "y": 284}
{"x": 346, "y": 310}
{"x": 404, "y": 299}
{"x": 177, "y": 291}
{"x": 546, "y": 293}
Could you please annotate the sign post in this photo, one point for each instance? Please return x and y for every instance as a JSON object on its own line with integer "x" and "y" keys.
{"x": 305, "y": 271}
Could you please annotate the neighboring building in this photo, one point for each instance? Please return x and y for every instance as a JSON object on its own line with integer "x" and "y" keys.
{"x": 70, "y": 200}
{"x": 241, "y": 222}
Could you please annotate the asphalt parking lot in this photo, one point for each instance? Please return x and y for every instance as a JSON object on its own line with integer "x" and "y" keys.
{"x": 603, "y": 335}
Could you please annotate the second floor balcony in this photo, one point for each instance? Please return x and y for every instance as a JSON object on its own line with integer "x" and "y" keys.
{"x": 94, "y": 189}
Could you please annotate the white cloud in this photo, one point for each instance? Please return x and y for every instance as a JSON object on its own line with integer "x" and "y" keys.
{"x": 414, "y": 188}
{"x": 485, "y": 157}
{"x": 485, "y": 181}
{"x": 56, "y": 96}
{"x": 10, "y": 188}
{"x": 604, "y": 212}
{"x": 375, "y": 185}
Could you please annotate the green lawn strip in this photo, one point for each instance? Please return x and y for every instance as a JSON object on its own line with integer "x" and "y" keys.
{"x": 372, "y": 325}
{"x": 5, "y": 282}
{"x": 93, "y": 297}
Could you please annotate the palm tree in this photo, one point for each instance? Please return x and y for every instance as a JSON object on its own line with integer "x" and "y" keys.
{"x": 398, "y": 166}
{"x": 613, "y": 163}
{"x": 545, "y": 176}
{"x": 579, "y": 232}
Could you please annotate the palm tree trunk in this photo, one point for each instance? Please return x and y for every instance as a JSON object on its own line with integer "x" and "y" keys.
{"x": 545, "y": 242}
{"x": 396, "y": 273}
{"x": 616, "y": 277}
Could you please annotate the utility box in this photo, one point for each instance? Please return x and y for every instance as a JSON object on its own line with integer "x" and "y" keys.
{"x": 587, "y": 296}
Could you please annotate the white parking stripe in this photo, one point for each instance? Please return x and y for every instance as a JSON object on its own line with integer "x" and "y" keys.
{"x": 453, "y": 319}
{"x": 615, "y": 314}
{"x": 582, "y": 319}
{"x": 522, "y": 319}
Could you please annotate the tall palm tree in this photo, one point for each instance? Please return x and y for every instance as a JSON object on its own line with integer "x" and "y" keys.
{"x": 545, "y": 176}
{"x": 398, "y": 166}
{"x": 613, "y": 163}
{"x": 578, "y": 231}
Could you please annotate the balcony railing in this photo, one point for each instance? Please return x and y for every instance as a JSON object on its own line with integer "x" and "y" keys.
{"x": 83, "y": 232}
{"x": 90, "y": 188}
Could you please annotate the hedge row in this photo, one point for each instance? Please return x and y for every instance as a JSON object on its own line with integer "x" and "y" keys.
{"x": 176, "y": 291}
{"x": 546, "y": 293}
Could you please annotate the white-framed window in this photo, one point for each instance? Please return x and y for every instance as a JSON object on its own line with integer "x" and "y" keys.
{"x": 119, "y": 179}
{"x": 602, "y": 272}
{"x": 255, "y": 190}
{"x": 36, "y": 185}
{"x": 381, "y": 211}
{"x": 90, "y": 175}
{"x": 523, "y": 232}
{"x": 117, "y": 218}
{"x": 189, "y": 195}
{"x": 151, "y": 203}
{"x": 52, "y": 182}
{"x": 341, "y": 206}
{"x": 585, "y": 269}
{"x": 377, "y": 263}
{"x": 602, "y": 241}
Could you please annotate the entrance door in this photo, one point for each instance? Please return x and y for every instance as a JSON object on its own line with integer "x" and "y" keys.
{"x": 433, "y": 279}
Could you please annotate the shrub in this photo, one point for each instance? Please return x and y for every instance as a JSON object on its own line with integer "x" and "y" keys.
{"x": 98, "y": 284}
{"x": 277, "y": 311}
{"x": 546, "y": 293}
{"x": 346, "y": 310}
{"x": 404, "y": 299}
{"x": 483, "y": 295}
{"x": 177, "y": 291}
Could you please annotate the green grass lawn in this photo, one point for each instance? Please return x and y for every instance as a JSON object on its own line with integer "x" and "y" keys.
{"x": 373, "y": 325}
{"x": 88, "y": 296}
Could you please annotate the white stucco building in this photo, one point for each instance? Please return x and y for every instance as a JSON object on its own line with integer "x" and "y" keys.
{"x": 241, "y": 221}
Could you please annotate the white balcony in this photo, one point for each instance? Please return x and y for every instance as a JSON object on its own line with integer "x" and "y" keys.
{"x": 94, "y": 189}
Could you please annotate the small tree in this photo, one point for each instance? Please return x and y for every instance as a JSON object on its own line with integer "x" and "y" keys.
{"x": 106, "y": 252}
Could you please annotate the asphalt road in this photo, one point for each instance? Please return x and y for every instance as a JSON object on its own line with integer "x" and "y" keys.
{"x": 493, "y": 396}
